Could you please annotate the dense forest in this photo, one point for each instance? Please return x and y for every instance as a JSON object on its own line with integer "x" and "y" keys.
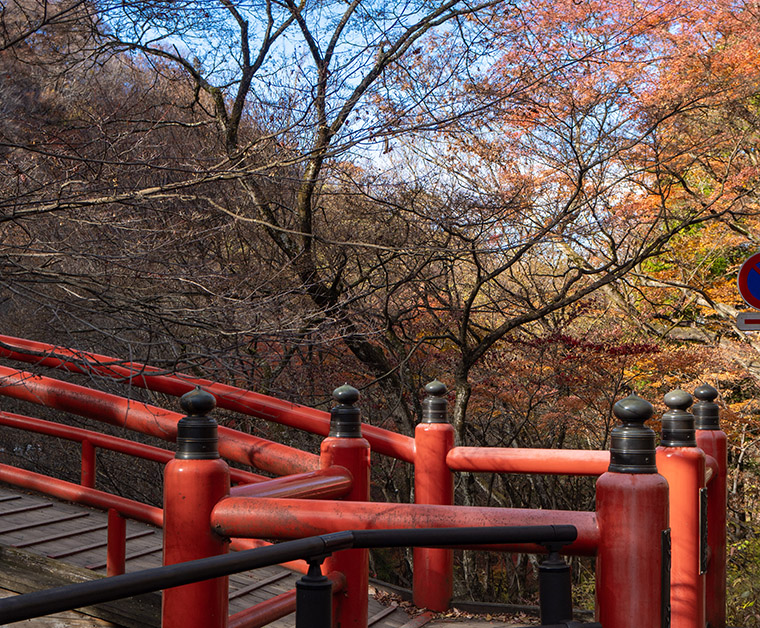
{"x": 542, "y": 204}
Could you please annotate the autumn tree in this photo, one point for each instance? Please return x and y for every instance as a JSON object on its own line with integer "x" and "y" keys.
{"x": 408, "y": 183}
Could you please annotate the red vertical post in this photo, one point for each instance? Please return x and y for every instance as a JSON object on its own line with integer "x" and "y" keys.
{"x": 88, "y": 464}
{"x": 682, "y": 464}
{"x": 632, "y": 579}
{"x": 193, "y": 483}
{"x": 712, "y": 440}
{"x": 116, "y": 551}
{"x": 433, "y": 484}
{"x": 345, "y": 447}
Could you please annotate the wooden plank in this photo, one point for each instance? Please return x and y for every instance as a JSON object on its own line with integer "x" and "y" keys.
{"x": 29, "y": 508}
{"x": 61, "y": 535}
{"x": 143, "y": 553}
{"x": 25, "y": 526}
{"x": 382, "y": 614}
{"x": 257, "y": 585}
{"x": 24, "y": 572}
{"x": 85, "y": 548}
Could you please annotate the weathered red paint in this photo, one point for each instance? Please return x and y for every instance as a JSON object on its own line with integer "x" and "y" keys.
{"x": 632, "y": 512}
{"x": 684, "y": 469}
{"x": 296, "y": 518}
{"x": 714, "y": 444}
{"x": 81, "y": 494}
{"x": 265, "y": 612}
{"x": 116, "y": 553}
{"x": 88, "y": 464}
{"x": 142, "y": 417}
{"x": 350, "y": 607}
{"x": 229, "y": 397}
{"x": 105, "y": 441}
{"x": 239, "y": 447}
{"x": 509, "y": 460}
{"x": 329, "y": 483}
{"x": 191, "y": 489}
{"x": 433, "y": 574}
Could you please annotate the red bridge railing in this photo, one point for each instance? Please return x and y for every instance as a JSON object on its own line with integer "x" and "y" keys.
{"x": 643, "y": 495}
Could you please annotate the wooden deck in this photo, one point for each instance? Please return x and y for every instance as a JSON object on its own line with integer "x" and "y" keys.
{"x": 74, "y": 537}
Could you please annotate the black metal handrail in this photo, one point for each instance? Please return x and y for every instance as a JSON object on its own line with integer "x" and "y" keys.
{"x": 313, "y": 549}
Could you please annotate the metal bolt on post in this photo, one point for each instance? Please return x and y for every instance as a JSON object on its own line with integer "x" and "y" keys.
{"x": 706, "y": 412}
{"x": 345, "y": 418}
{"x": 435, "y": 407}
{"x": 197, "y": 437}
{"x": 678, "y": 422}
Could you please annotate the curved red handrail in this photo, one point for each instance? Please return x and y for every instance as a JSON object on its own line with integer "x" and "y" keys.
{"x": 151, "y": 420}
{"x": 106, "y": 441}
{"x": 81, "y": 494}
{"x": 229, "y": 397}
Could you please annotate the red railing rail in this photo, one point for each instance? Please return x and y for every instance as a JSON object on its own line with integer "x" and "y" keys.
{"x": 81, "y": 494}
{"x": 229, "y": 397}
{"x": 97, "y": 440}
{"x": 632, "y": 499}
{"x": 148, "y": 419}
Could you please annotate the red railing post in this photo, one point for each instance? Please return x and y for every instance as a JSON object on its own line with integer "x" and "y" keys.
{"x": 345, "y": 447}
{"x": 193, "y": 483}
{"x": 712, "y": 440}
{"x": 116, "y": 551}
{"x": 88, "y": 464}
{"x": 433, "y": 484}
{"x": 632, "y": 579}
{"x": 682, "y": 464}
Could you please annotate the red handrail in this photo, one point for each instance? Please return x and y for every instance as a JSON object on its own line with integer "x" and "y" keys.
{"x": 329, "y": 483}
{"x": 151, "y": 420}
{"x": 516, "y": 460}
{"x": 229, "y": 397}
{"x": 622, "y": 497}
{"x": 81, "y": 494}
{"x": 105, "y": 441}
{"x": 295, "y": 518}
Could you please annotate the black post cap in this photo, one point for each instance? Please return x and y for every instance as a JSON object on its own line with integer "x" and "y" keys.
{"x": 345, "y": 418}
{"x": 706, "y": 411}
{"x": 678, "y": 422}
{"x": 632, "y": 446}
{"x": 197, "y": 436}
{"x": 435, "y": 406}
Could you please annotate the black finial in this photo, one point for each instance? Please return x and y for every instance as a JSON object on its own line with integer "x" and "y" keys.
{"x": 345, "y": 418}
{"x": 677, "y": 422}
{"x": 706, "y": 411}
{"x": 435, "y": 406}
{"x": 632, "y": 446}
{"x": 197, "y": 402}
{"x": 197, "y": 433}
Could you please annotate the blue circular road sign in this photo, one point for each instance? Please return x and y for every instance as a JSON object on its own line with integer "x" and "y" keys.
{"x": 749, "y": 281}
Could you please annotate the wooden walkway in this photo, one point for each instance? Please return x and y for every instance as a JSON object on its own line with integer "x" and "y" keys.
{"x": 75, "y": 536}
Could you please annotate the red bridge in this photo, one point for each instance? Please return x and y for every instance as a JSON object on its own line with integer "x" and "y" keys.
{"x": 658, "y": 531}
